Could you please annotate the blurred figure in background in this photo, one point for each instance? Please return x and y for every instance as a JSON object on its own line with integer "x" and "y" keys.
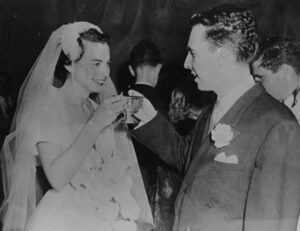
{"x": 161, "y": 181}
{"x": 145, "y": 63}
{"x": 6, "y": 110}
{"x": 278, "y": 69}
{"x": 182, "y": 112}
{"x": 6, "y": 103}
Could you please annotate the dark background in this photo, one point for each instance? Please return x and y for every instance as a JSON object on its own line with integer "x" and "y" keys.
{"x": 25, "y": 26}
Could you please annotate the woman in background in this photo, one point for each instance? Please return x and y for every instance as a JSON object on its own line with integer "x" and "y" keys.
{"x": 182, "y": 113}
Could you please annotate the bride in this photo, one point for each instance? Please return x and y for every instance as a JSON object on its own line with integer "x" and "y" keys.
{"x": 85, "y": 153}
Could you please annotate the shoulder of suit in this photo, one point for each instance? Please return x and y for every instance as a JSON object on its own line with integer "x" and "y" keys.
{"x": 267, "y": 107}
{"x": 146, "y": 90}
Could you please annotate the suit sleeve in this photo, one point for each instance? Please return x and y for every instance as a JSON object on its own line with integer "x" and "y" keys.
{"x": 273, "y": 200}
{"x": 160, "y": 136}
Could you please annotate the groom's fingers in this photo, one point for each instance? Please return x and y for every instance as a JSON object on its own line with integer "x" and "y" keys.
{"x": 114, "y": 99}
{"x": 136, "y": 118}
{"x": 134, "y": 93}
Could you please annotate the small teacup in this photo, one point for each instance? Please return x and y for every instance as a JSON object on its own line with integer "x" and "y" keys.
{"x": 133, "y": 104}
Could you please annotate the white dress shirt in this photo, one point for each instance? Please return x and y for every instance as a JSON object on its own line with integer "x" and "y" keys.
{"x": 294, "y": 108}
{"x": 143, "y": 83}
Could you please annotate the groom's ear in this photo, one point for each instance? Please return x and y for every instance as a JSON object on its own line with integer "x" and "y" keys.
{"x": 158, "y": 67}
{"x": 131, "y": 70}
{"x": 286, "y": 71}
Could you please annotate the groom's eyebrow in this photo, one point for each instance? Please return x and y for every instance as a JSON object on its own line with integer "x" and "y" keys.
{"x": 99, "y": 60}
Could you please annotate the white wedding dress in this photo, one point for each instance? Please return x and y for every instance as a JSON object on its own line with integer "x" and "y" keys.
{"x": 102, "y": 195}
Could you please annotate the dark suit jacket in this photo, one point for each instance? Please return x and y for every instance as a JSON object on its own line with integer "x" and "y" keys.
{"x": 261, "y": 192}
{"x": 152, "y": 95}
{"x": 148, "y": 160}
{"x": 162, "y": 182}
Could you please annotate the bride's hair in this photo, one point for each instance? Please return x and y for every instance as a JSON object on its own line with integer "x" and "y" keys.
{"x": 61, "y": 73}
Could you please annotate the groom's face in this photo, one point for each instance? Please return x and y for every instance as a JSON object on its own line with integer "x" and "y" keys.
{"x": 201, "y": 59}
{"x": 92, "y": 70}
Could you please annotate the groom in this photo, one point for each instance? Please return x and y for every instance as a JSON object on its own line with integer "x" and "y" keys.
{"x": 242, "y": 160}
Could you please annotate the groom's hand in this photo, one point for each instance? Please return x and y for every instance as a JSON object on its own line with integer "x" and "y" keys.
{"x": 146, "y": 112}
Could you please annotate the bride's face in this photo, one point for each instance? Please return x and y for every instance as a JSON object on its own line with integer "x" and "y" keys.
{"x": 92, "y": 70}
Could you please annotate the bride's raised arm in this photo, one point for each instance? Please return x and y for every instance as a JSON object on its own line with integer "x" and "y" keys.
{"x": 61, "y": 166}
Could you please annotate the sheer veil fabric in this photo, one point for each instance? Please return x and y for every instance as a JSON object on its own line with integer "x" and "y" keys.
{"x": 17, "y": 159}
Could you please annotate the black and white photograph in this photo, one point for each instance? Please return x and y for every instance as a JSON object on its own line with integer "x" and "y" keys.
{"x": 150, "y": 115}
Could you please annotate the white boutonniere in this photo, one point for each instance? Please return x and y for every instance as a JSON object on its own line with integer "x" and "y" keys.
{"x": 222, "y": 134}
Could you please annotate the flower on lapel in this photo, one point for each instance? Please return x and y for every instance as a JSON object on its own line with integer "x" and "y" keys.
{"x": 222, "y": 134}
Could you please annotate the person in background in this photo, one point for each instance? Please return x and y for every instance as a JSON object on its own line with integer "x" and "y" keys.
{"x": 182, "y": 113}
{"x": 6, "y": 111}
{"x": 6, "y": 103}
{"x": 162, "y": 182}
{"x": 145, "y": 63}
{"x": 278, "y": 69}
{"x": 241, "y": 162}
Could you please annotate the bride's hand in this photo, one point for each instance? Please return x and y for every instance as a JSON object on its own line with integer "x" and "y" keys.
{"x": 108, "y": 111}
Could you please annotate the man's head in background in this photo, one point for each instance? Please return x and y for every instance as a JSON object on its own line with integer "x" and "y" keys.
{"x": 145, "y": 62}
{"x": 278, "y": 68}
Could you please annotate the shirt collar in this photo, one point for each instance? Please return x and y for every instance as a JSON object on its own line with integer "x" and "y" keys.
{"x": 143, "y": 83}
{"x": 294, "y": 108}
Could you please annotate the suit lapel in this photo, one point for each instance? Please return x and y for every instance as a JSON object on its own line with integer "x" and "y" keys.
{"x": 231, "y": 117}
{"x": 202, "y": 130}
{"x": 200, "y": 140}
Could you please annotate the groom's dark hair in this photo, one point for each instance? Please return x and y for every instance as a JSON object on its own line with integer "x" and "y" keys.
{"x": 91, "y": 35}
{"x": 233, "y": 25}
